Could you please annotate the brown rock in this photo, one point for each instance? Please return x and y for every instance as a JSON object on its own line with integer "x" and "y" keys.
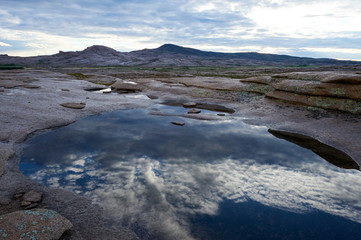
{"x": 65, "y": 90}
{"x": 194, "y": 111}
{"x": 33, "y": 196}
{"x": 73, "y": 105}
{"x": 343, "y": 78}
{"x": 25, "y": 203}
{"x": 31, "y": 86}
{"x": 178, "y": 123}
{"x": 41, "y": 224}
{"x": 189, "y": 104}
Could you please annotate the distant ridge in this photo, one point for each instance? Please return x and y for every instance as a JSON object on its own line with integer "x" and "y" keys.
{"x": 165, "y": 55}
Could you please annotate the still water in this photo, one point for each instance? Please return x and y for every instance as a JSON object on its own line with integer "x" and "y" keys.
{"x": 205, "y": 180}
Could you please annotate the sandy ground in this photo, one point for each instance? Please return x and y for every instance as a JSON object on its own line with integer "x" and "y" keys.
{"x": 26, "y": 111}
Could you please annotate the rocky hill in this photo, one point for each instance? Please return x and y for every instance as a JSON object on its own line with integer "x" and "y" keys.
{"x": 166, "y": 55}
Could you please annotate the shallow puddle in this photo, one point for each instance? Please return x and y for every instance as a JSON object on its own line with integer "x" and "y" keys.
{"x": 204, "y": 180}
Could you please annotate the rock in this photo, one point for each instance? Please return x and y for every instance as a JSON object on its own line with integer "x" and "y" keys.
{"x": 18, "y": 194}
{"x": 93, "y": 89}
{"x": 189, "y": 104}
{"x": 324, "y": 76}
{"x": 259, "y": 79}
{"x": 25, "y": 203}
{"x": 329, "y": 153}
{"x": 331, "y": 103}
{"x": 178, "y": 123}
{"x": 73, "y": 105}
{"x": 2, "y": 90}
{"x": 6, "y": 151}
{"x": 317, "y": 88}
{"x": 65, "y": 90}
{"x": 33, "y": 196}
{"x": 343, "y": 78}
{"x": 214, "y": 107}
{"x": 194, "y": 111}
{"x": 31, "y": 206}
{"x": 38, "y": 224}
{"x": 123, "y": 87}
{"x": 106, "y": 91}
{"x": 31, "y": 86}
{"x": 221, "y": 114}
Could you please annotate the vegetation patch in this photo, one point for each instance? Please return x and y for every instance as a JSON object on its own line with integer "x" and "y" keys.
{"x": 10, "y": 67}
{"x": 79, "y": 76}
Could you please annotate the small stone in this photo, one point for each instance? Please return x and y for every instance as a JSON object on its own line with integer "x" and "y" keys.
{"x": 1, "y": 90}
{"x": 18, "y": 195}
{"x": 33, "y": 196}
{"x": 189, "y": 104}
{"x": 221, "y": 114}
{"x": 31, "y": 206}
{"x": 31, "y": 86}
{"x": 25, "y": 203}
{"x": 65, "y": 90}
{"x": 178, "y": 123}
{"x": 73, "y": 105}
{"x": 194, "y": 111}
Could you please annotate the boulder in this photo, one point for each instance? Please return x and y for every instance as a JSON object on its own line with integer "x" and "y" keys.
{"x": 73, "y": 105}
{"x": 33, "y": 224}
{"x": 125, "y": 87}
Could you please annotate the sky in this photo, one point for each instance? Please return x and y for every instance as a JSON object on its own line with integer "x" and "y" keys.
{"x": 311, "y": 28}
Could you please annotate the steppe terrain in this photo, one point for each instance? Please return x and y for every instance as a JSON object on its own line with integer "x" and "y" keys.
{"x": 306, "y": 105}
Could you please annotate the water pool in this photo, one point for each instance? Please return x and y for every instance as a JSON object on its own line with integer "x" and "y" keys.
{"x": 205, "y": 180}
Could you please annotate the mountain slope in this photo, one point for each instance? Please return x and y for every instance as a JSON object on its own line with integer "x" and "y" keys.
{"x": 165, "y": 55}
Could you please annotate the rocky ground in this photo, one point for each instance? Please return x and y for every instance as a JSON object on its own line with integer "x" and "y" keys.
{"x": 320, "y": 103}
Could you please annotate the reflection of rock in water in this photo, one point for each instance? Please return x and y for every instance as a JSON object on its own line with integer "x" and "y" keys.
{"x": 330, "y": 154}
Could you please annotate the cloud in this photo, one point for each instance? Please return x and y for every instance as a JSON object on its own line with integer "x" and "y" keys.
{"x": 2, "y": 44}
{"x": 207, "y": 24}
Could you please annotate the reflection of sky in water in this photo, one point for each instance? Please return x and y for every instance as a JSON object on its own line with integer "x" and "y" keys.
{"x": 207, "y": 179}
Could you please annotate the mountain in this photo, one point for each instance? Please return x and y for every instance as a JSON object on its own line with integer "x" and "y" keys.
{"x": 165, "y": 55}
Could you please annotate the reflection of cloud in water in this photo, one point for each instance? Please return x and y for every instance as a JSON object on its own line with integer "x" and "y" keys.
{"x": 161, "y": 196}
{"x": 155, "y": 175}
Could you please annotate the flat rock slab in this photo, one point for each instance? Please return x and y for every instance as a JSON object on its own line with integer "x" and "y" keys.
{"x": 40, "y": 224}
{"x": 340, "y": 104}
{"x": 73, "y": 105}
{"x": 324, "y": 76}
{"x": 189, "y": 104}
{"x": 259, "y": 79}
{"x": 317, "y": 88}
